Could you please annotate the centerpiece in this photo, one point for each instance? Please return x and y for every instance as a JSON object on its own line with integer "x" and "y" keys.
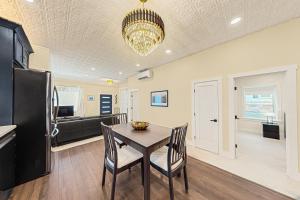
{"x": 139, "y": 125}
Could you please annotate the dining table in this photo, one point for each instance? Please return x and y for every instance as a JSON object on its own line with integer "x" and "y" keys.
{"x": 146, "y": 142}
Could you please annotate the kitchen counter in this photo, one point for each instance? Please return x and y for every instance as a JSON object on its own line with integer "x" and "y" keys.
{"x": 6, "y": 129}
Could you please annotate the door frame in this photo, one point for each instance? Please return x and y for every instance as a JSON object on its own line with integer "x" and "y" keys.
{"x": 220, "y": 112}
{"x": 129, "y": 102}
{"x": 292, "y": 157}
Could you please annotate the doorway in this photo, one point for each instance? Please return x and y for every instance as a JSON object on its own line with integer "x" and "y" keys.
{"x": 260, "y": 125}
{"x": 289, "y": 89}
{"x": 207, "y": 115}
{"x": 124, "y": 98}
{"x": 133, "y": 105}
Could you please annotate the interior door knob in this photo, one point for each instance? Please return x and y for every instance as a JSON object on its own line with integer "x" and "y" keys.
{"x": 214, "y": 120}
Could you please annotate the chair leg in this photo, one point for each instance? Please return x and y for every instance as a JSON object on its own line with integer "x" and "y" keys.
{"x": 142, "y": 172}
{"x": 112, "y": 195}
{"x": 171, "y": 187}
{"x": 103, "y": 175}
{"x": 186, "y": 182}
{"x": 179, "y": 175}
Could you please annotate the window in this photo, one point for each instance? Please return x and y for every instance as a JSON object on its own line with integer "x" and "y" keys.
{"x": 260, "y": 102}
{"x": 105, "y": 104}
{"x": 69, "y": 96}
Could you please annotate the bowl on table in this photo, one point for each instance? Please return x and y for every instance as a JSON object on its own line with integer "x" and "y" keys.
{"x": 139, "y": 125}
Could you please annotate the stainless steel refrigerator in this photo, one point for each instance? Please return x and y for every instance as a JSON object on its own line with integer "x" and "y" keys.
{"x": 33, "y": 113}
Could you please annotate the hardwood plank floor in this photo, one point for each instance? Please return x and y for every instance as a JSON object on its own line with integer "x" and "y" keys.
{"x": 77, "y": 176}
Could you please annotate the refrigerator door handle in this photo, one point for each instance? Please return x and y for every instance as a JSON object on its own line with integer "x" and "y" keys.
{"x": 57, "y": 105}
{"x": 54, "y": 132}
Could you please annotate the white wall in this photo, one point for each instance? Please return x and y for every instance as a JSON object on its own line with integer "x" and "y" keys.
{"x": 254, "y": 125}
{"x": 91, "y": 108}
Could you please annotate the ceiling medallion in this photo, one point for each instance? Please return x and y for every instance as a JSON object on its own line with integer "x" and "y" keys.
{"x": 143, "y": 30}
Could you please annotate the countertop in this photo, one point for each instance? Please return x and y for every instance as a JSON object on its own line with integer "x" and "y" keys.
{"x": 6, "y": 129}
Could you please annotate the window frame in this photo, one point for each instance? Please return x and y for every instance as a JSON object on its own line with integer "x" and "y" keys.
{"x": 275, "y": 102}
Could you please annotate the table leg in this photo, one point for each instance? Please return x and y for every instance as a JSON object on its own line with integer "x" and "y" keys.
{"x": 146, "y": 161}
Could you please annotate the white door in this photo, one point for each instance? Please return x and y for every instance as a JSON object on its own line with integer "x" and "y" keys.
{"x": 124, "y": 100}
{"x": 206, "y": 115}
{"x": 134, "y": 112}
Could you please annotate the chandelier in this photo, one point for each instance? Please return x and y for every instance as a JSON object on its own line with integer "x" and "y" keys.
{"x": 143, "y": 30}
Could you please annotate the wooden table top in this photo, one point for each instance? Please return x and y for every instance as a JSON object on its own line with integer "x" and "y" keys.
{"x": 147, "y": 138}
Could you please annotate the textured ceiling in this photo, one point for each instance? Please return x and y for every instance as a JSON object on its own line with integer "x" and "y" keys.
{"x": 85, "y": 34}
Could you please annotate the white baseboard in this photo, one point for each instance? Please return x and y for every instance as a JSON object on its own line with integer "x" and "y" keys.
{"x": 76, "y": 144}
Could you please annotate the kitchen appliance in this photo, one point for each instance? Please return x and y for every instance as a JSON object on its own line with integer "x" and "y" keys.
{"x": 65, "y": 111}
{"x": 33, "y": 111}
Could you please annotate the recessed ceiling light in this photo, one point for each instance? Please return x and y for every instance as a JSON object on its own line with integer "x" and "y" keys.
{"x": 93, "y": 68}
{"x": 168, "y": 51}
{"x": 235, "y": 20}
{"x": 120, "y": 73}
{"x": 138, "y": 65}
{"x": 30, "y": 1}
{"x": 86, "y": 75}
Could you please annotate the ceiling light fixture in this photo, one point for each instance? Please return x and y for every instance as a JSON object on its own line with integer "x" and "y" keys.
{"x": 235, "y": 20}
{"x": 30, "y": 1}
{"x": 120, "y": 73}
{"x": 138, "y": 65}
{"x": 143, "y": 30}
{"x": 168, "y": 51}
{"x": 93, "y": 68}
{"x": 109, "y": 81}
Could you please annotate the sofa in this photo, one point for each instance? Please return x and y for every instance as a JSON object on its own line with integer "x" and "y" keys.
{"x": 74, "y": 129}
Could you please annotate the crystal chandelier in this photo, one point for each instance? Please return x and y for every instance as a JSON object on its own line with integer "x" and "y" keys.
{"x": 143, "y": 30}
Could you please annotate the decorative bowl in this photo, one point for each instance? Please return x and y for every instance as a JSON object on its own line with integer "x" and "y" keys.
{"x": 139, "y": 126}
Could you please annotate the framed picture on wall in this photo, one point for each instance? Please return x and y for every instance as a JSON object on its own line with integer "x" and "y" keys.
{"x": 159, "y": 98}
{"x": 91, "y": 98}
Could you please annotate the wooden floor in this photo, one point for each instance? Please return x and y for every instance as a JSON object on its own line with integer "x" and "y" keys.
{"x": 77, "y": 175}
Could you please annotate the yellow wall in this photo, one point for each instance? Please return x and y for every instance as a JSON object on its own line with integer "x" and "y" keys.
{"x": 40, "y": 59}
{"x": 91, "y": 108}
{"x": 275, "y": 46}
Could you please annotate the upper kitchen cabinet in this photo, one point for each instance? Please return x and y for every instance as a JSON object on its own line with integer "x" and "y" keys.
{"x": 14, "y": 53}
{"x": 22, "y": 48}
{"x": 21, "y": 45}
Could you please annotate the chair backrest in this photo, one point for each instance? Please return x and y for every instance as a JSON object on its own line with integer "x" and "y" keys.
{"x": 110, "y": 145}
{"x": 119, "y": 119}
{"x": 177, "y": 147}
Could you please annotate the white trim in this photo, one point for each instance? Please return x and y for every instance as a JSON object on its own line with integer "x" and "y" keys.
{"x": 76, "y": 144}
{"x": 265, "y": 71}
{"x": 220, "y": 114}
{"x": 291, "y": 114}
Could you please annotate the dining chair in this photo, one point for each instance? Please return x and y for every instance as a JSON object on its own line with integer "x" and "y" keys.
{"x": 172, "y": 159}
{"x": 119, "y": 119}
{"x": 118, "y": 160}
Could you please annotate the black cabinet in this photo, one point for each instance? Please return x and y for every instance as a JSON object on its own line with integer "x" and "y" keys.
{"x": 14, "y": 53}
{"x": 25, "y": 59}
{"x": 18, "y": 51}
{"x": 7, "y": 161}
{"x": 271, "y": 131}
{"x": 21, "y": 55}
